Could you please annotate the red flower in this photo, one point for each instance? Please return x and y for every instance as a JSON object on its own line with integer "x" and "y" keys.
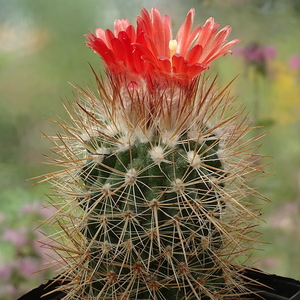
{"x": 149, "y": 50}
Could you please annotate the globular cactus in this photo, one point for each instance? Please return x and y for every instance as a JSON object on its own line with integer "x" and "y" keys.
{"x": 153, "y": 201}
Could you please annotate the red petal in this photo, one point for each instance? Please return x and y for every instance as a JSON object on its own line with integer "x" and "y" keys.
{"x": 151, "y": 45}
{"x": 184, "y": 32}
{"x": 168, "y": 33}
{"x": 222, "y": 51}
{"x": 131, "y": 33}
{"x": 195, "y": 54}
{"x": 100, "y": 33}
{"x": 158, "y": 32}
{"x": 164, "y": 64}
{"x": 109, "y": 36}
{"x": 128, "y": 49}
{"x": 138, "y": 62}
{"x": 207, "y": 32}
{"x": 177, "y": 62}
{"x": 121, "y": 25}
{"x": 196, "y": 69}
{"x": 144, "y": 48}
{"x": 144, "y": 22}
{"x": 118, "y": 50}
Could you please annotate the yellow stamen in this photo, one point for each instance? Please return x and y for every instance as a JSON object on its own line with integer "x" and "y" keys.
{"x": 172, "y": 47}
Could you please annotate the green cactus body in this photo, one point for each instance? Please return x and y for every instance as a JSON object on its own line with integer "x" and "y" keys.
{"x": 153, "y": 207}
{"x": 160, "y": 200}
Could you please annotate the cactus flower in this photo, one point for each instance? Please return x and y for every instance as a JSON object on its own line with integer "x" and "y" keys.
{"x": 150, "y": 51}
{"x": 153, "y": 195}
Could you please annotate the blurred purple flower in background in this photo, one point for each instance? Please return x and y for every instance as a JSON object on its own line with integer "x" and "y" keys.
{"x": 286, "y": 217}
{"x": 257, "y": 56}
{"x": 257, "y": 67}
{"x": 16, "y": 236}
{"x": 6, "y": 271}
{"x": 294, "y": 62}
{"x": 31, "y": 208}
{"x": 27, "y": 256}
{"x": 28, "y": 266}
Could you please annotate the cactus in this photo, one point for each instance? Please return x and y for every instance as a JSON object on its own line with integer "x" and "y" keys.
{"x": 152, "y": 201}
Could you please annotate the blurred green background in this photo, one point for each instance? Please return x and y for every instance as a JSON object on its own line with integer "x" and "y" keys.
{"x": 42, "y": 49}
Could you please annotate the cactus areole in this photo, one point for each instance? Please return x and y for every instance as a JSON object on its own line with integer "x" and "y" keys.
{"x": 152, "y": 197}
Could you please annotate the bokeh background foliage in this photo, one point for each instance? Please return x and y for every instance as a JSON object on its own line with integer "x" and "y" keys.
{"x": 42, "y": 49}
